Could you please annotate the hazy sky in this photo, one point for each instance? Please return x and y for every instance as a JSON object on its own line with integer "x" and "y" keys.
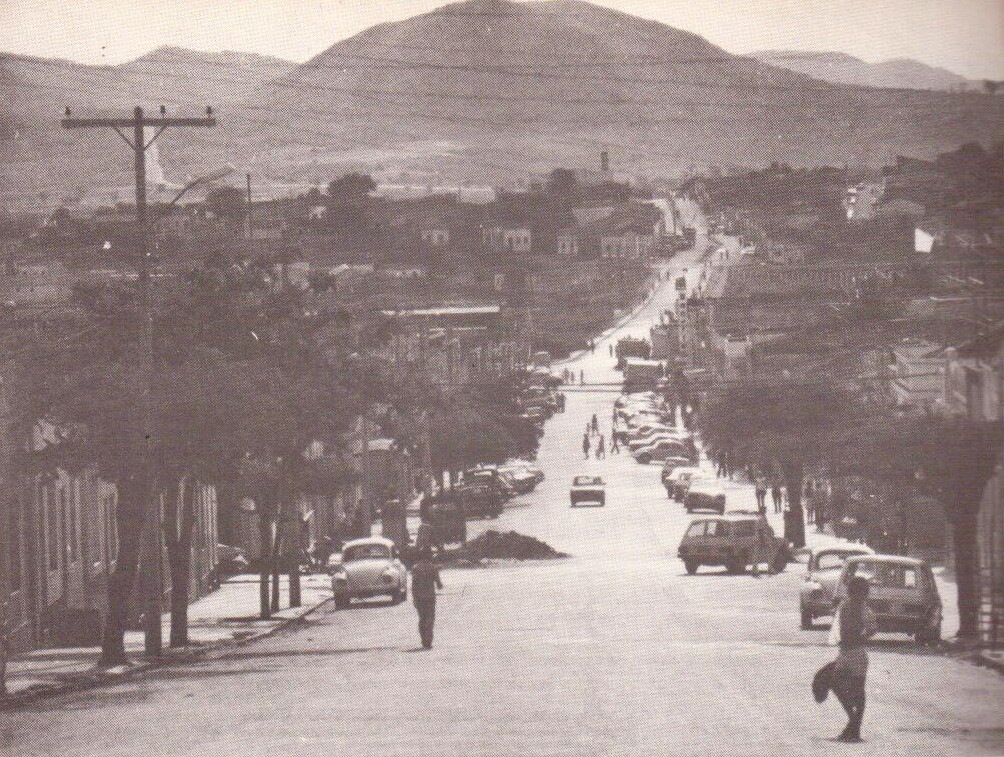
{"x": 966, "y": 36}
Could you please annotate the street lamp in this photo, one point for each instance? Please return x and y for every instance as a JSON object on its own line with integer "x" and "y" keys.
{"x": 209, "y": 178}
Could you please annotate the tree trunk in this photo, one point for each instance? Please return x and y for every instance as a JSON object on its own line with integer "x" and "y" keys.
{"x": 178, "y": 531}
{"x": 274, "y": 565}
{"x": 794, "y": 519}
{"x": 265, "y": 526}
{"x": 129, "y": 521}
{"x": 966, "y": 575}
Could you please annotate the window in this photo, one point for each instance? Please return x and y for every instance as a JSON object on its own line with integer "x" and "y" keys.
{"x": 367, "y": 552}
{"x": 743, "y": 528}
{"x": 712, "y": 528}
{"x": 51, "y": 525}
{"x": 14, "y": 546}
{"x": 696, "y": 529}
{"x": 72, "y": 535}
{"x": 830, "y": 560}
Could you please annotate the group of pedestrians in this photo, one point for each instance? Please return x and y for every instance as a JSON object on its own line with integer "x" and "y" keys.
{"x": 569, "y": 376}
{"x": 593, "y": 432}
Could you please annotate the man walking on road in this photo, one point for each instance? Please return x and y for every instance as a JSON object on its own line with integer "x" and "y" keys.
{"x": 614, "y": 446}
{"x": 424, "y": 582}
{"x": 585, "y": 444}
{"x": 601, "y": 449}
{"x": 761, "y": 494}
{"x": 777, "y": 496}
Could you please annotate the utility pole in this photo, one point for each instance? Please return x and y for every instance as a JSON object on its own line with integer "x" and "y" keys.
{"x": 153, "y": 641}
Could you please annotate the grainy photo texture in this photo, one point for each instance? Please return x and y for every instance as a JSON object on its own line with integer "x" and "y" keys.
{"x": 501, "y": 378}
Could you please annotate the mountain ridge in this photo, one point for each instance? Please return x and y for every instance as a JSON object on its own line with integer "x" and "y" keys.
{"x": 842, "y": 68}
{"x": 487, "y": 91}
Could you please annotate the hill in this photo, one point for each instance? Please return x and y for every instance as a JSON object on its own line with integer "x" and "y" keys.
{"x": 39, "y": 162}
{"x": 840, "y": 68}
{"x": 482, "y": 91}
{"x": 490, "y": 89}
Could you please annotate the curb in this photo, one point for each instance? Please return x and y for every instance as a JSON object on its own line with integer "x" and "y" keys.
{"x": 76, "y": 682}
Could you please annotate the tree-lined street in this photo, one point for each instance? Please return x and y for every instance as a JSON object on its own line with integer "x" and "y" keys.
{"x": 612, "y": 651}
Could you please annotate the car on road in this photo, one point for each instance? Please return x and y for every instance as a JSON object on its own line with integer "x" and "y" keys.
{"x": 678, "y": 481}
{"x": 525, "y": 476}
{"x": 588, "y": 490}
{"x": 705, "y": 494}
{"x": 822, "y": 573}
{"x": 493, "y": 478}
{"x": 732, "y": 540}
{"x": 658, "y": 436}
{"x": 661, "y": 450}
{"x": 481, "y": 499}
{"x": 367, "y": 568}
{"x": 903, "y": 595}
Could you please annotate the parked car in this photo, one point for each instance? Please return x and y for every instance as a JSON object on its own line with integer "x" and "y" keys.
{"x": 671, "y": 464}
{"x": 657, "y": 436}
{"x": 903, "y": 595}
{"x": 481, "y": 499}
{"x": 588, "y": 490}
{"x": 705, "y": 494}
{"x": 367, "y": 568}
{"x": 661, "y": 450}
{"x": 731, "y": 540}
{"x": 522, "y": 479}
{"x": 822, "y": 574}
{"x": 678, "y": 481}
{"x": 447, "y": 519}
{"x": 490, "y": 477}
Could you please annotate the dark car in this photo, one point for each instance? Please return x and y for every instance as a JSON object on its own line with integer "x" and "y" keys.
{"x": 731, "y": 540}
{"x": 481, "y": 500}
{"x": 446, "y": 519}
{"x": 705, "y": 494}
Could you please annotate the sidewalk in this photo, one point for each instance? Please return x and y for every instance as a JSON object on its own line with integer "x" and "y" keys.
{"x": 742, "y": 496}
{"x": 229, "y": 615}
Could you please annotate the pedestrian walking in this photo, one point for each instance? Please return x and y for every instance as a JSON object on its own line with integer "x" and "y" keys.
{"x": 614, "y": 446}
{"x": 853, "y": 624}
{"x": 596, "y": 425}
{"x": 585, "y": 445}
{"x": 777, "y": 495}
{"x": 424, "y": 582}
{"x": 601, "y": 449}
{"x": 761, "y": 494}
{"x": 582, "y": 377}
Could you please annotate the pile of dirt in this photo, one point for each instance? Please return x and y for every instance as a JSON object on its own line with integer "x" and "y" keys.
{"x": 492, "y": 545}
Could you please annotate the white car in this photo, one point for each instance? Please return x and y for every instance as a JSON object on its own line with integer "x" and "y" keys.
{"x": 662, "y": 449}
{"x": 657, "y": 435}
{"x": 589, "y": 490}
{"x": 367, "y": 568}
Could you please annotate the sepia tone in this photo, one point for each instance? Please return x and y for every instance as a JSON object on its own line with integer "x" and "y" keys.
{"x": 501, "y": 378}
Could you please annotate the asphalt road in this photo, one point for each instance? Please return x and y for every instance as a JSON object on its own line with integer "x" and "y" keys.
{"x": 613, "y": 651}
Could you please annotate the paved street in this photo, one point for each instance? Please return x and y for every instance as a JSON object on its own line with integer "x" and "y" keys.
{"x": 615, "y": 651}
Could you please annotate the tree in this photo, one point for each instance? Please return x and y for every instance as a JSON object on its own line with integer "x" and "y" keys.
{"x": 351, "y": 189}
{"x": 347, "y": 212}
{"x": 227, "y": 202}
{"x": 948, "y": 458}
{"x": 242, "y": 371}
{"x": 790, "y": 427}
{"x": 563, "y": 183}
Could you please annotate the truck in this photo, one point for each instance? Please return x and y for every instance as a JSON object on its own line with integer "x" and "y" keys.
{"x": 628, "y": 347}
{"x": 641, "y": 374}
